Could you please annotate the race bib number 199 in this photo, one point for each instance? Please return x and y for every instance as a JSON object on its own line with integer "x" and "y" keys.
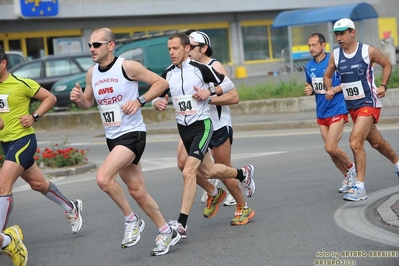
{"x": 353, "y": 90}
{"x": 111, "y": 115}
{"x": 185, "y": 104}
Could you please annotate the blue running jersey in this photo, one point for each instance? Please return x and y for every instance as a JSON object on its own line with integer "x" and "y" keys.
{"x": 357, "y": 78}
{"x": 314, "y": 76}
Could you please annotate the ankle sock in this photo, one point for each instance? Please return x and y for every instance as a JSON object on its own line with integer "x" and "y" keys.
{"x": 131, "y": 218}
{"x": 360, "y": 185}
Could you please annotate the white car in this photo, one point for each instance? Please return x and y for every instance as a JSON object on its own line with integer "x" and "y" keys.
{"x": 15, "y": 58}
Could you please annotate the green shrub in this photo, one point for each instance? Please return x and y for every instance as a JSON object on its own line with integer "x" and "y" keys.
{"x": 293, "y": 88}
{"x": 271, "y": 90}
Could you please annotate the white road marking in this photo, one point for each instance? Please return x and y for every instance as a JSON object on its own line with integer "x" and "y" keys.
{"x": 149, "y": 165}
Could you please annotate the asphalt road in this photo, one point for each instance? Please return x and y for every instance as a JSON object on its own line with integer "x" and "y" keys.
{"x": 300, "y": 219}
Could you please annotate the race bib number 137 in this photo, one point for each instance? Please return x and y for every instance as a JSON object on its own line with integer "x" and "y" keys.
{"x": 111, "y": 115}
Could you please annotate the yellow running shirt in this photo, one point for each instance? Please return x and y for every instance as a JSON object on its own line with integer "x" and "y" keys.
{"x": 15, "y": 97}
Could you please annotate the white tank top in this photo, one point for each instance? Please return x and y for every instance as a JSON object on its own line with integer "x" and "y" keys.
{"x": 220, "y": 115}
{"x": 111, "y": 90}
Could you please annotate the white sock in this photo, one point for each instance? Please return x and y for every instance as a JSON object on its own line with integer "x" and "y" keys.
{"x": 131, "y": 218}
{"x": 6, "y": 241}
{"x": 215, "y": 192}
{"x": 360, "y": 184}
{"x": 397, "y": 165}
{"x": 165, "y": 229}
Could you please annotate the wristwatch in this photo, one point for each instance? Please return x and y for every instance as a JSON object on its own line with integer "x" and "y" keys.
{"x": 36, "y": 117}
{"x": 142, "y": 100}
{"x": 385, "y": 86}
{"x": 212, "y": 88}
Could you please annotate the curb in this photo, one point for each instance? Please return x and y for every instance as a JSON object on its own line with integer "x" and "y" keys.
{"x": 387, "y": 211}
{"x": 58, "y": 172}
{"x": 268, "y": 125}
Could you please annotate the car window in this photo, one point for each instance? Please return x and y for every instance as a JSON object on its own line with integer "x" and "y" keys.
{"x": 62, "y": 67}
{"x": 85, "y": 62}
{"x": 31, "y": 71}
{"x": 133, "y": 54}
{"x": 14, "y": 59}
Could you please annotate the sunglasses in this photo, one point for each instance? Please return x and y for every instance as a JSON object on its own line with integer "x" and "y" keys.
{"x": 192, "y": 47}
{"x": 97, "y": 44}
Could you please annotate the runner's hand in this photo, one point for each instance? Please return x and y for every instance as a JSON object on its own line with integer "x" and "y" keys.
{"x": 308, "y": 89}
{"x": 162, "y": 103}
{"x": 76, "y": 94}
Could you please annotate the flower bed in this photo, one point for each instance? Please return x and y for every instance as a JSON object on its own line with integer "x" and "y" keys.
{"x": 57, "y": 156}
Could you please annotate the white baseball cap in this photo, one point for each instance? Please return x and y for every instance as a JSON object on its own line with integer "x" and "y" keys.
{"x": 343, "y": 24}
{"x": 200, "y": 37}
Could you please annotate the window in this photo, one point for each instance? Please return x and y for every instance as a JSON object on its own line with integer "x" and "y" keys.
{"x": 255, "y": 43}
{"x": 60, "y": 68}
{"x": 31, "y": 71}
{"x": 85, "y": 62}
{"x": 134, "y": 54}
{"x": 220, "y": 43}
{"x": 279, "y": 41}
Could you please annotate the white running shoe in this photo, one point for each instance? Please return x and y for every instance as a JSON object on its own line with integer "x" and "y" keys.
{"x": 75, "y": 216}
{"x": 229, "y": 201}
{"x": 349, "y": 181}
{"x": 164, "y": 241}
{"x": 132, "y": 232}
{"x": 356, "y": 194}
{"x": 174, "y": 224}
{"x": 248, "y": 183}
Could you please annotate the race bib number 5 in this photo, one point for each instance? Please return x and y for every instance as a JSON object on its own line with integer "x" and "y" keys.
{"x": 4, "y": 107}
{"x": 111, "y": 115}
{"x": 185, "y": 104}
{"x": 353, "y": 90}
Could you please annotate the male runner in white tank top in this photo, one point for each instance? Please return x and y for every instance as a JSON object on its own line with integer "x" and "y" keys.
{"x": 113, "y": 83}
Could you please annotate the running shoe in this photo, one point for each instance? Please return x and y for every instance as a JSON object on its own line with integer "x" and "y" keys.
{"x": 248, "y": 183}
{"x": 204, "y": 196}
{"x": 164, "y": 241}
{"x": 243, "y": 215}
{"x": 16, "y": 250}
{"x": 132, "y": 232}
{"x": 179, "y": 228}
{"x": 212, "y": 204}
{"x": 356, "y": 194}
{"x": 230, "y": 200}
{"x": 349, "y": 181}
{"x": 74, "y": 216}
{"x": 397, "y": 172}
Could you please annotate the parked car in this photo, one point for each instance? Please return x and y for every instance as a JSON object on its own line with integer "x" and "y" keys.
{"x": 49, "y": 69}
{"x": 150, "y": 50}
{"x": 15, "y": 58}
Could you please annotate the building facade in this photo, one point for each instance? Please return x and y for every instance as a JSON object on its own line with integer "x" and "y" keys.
{"x": 242, "y": 32}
